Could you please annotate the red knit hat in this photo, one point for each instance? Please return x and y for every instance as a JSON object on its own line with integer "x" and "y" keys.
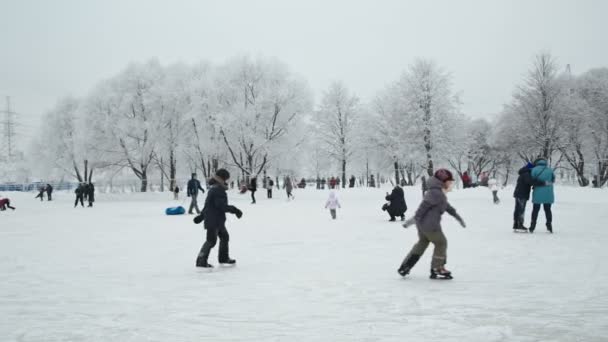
{"x": 444, "y": 175}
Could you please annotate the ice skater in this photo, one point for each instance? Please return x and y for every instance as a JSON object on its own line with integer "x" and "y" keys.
{"x": 80, "y": 192}
{"x": 192, "y": 191}
{"x": 522, "y": 195}
{"x": 214, "y": 215}
{"x": 289, "y": 188}
{"x": 493, "y": 186}
{"x": 91, "y": 194}
{"x": 332, "y": 204}
{"x": 49, "y": 192}
{"x": 428, "y": 223}
{"x": 176, "y": 193}
{"x": 41, "y": 192}
{"x": 253, "y": 187}
{"x": 542, "y": 195}
{"x": 269, "y": 186}
{"x": 5, "y": 203}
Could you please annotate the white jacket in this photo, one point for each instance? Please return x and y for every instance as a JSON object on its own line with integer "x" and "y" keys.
{"x": 493, "y": 184}
{"x": 332, "y": 201}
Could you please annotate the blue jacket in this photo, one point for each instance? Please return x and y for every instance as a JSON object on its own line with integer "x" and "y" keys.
{"x": 543, "y": 173}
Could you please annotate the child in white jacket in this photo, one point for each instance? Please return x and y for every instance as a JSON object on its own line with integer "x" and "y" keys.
{"x": 332, "y": 204}
{"x": 493, "y": 186}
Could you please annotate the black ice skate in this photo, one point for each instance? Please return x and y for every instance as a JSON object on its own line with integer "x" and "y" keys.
{"x": 403, "y": 270}
{"x": 228, "y": 262}
{"x": 550, "y": 228}
{"x": 203, "y": 263}
{"x": 440, "y": 273}
{"x": 532, "y": 227}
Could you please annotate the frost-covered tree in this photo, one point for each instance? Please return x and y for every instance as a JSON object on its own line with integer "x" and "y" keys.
{"x": 536, "y": 107}
{"x": 259, "y": 102}
{"x": 336, "y": 120}
{"x": 593, "y": 88}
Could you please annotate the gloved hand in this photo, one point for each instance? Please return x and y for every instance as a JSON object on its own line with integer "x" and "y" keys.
{"x": 461, "y": 221}
{"x": 409, "y": 222}
{"x": 238, "y": 213}
{"x": 198, "y": 219}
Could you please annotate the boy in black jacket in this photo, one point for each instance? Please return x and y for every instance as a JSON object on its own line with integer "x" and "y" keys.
{"x": 214, "y": 215}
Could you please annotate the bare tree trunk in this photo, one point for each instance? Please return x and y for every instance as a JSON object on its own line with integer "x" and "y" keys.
{"x": 396, "y": 165}
{"x": 343, "y": 173}
{"x": 144, "y": 181}
{"x": 86, "y": 170}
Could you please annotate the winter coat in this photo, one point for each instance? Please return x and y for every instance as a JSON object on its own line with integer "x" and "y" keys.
{"x": 332, "y": 202}
{"x": 49, "y": 189}
{"x": 466, "y": 180}
{"x": 176, "y": 190}
{"x": 493, "y": 184}
{"x": 270, "y": 183}
{"x": 91, "y": 193}
{"x": 194, "y": 186}
{"x": 80, "y": 190}
{"x": 434, "y": 204}
{"x": 216, "y": 205}
{"x": 543, "y": 173}
{"x": 525, "y": 183}
{"x": 288, "y": 185}
{"x": 398, "y": 206}
{"x": 253, "y": 185}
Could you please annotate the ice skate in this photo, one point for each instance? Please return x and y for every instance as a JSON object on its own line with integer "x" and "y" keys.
{"x": 440, "y": 273}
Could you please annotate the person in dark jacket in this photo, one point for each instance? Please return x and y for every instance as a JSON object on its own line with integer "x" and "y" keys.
{"x": 428, "y": 223}
{"x": 176, "y": 193}
{"x": 397, "y": 206}
{"x": 40, "y": 195}
{"x": 91, "y": 194}
{"x": 253, "y": 187}
{"x": 49, "y": 191}
{"x": 80, "y": 190}
{"x": 351, "y": 182}
{"x": 192, "y": 191}
{"x": 214, "y": 215}
{"x": 525, "y": 182}
{"x": 270, "y": 184}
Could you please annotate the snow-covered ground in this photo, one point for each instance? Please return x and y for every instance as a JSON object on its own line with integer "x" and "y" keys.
{"x": 123, "y": 271}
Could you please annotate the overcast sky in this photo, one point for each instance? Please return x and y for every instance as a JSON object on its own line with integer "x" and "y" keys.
{"x": 50, "y": 49}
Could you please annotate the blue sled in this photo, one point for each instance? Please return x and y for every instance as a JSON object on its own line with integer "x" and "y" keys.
{"x": 175, "y": 211}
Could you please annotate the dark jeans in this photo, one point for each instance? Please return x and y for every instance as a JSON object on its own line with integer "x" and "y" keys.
{"x": 520, "y": 210}
{"x": 547, "y": 209}
{"x": 79, "y": 198}
{"x": 253, "y": 197}
{"x": 194, "y": 204}
{"x": 269, "y": 192}
{"x": 212, "y": 235}
{"x": 495, "y": 196}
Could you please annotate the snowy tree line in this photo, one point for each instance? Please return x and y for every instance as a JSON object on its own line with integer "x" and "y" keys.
{"x": 256, "y": 117}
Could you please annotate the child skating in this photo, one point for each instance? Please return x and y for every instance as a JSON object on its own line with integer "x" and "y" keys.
{"x": 214, "y": 215}
{"x": 493, "y": 186}
{"x": 428, "y": 223}
{"x": 332, "y": 204}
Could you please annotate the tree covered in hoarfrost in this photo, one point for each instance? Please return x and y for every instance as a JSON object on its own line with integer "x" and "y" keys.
{"x": 592, "y": 86}
{"x": 335, "y": 124}
{"x": 129, "y": 109}
{"x": 259, "y": 102}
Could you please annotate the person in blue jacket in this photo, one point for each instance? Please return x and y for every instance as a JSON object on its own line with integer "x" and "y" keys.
{"x": 542, "y": 195}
